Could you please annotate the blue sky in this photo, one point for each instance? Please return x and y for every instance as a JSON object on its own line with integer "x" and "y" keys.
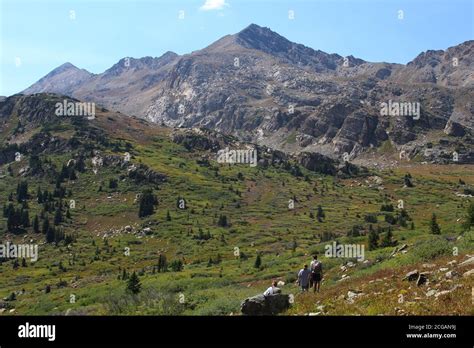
{"x": 37, "y": 36}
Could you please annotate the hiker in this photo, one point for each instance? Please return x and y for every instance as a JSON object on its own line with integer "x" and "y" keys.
{"x": 316, "y": 273}
{"x": 303, "y": 278}
{"x": 272, "y": 290}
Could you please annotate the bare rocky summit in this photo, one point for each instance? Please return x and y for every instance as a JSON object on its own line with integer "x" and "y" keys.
{"x": 262, "y": 88}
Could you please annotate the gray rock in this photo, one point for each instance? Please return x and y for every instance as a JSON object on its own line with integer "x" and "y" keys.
{"x": 402, "y": 247}
{"x": 429, "y": 265}
{"x": 451, "y": 274}
{"x": 468, "y": 273}
{"x": 444, "y": 292}
{"x": 265, "y": 305}
{"x": 469, "y": 261}
{"x": 454, "y": 129}
{"x": 353, "y": 294}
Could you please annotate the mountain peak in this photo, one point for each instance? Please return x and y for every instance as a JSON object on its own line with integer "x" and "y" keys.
{"x": 266, "y": 40}
{"x": 262, "y": 38}
{"x": 64, "y": 80}
{"x": 68, "y": 65}
{"x": 170, "y": 54}
{"x": 253, "y": 28}
{"x": 64, "y": 67}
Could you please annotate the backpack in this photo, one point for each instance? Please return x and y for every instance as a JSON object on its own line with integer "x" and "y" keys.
{"x": 316, "y": 267}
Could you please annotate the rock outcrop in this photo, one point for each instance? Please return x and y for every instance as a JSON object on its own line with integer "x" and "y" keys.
{"x": 265, "y": 305}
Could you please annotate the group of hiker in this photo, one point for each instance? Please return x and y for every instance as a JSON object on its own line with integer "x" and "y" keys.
{"x": 311, "y": 277}
{"x": 307, "y": 278}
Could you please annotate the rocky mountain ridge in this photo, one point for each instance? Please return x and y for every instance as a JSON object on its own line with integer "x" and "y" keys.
{"x": 263, "y": 88}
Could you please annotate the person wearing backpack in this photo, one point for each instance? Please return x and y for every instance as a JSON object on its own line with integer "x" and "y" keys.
{"x": 303, "y": 278}
{"x": 316, "y": 273}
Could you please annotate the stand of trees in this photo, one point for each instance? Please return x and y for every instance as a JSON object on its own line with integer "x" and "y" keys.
{"x": 17, "y": 218}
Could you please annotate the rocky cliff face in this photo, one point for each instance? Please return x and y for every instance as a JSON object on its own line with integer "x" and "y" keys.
{"x": 263, "y": 88}
{"x": 451, "y": 68}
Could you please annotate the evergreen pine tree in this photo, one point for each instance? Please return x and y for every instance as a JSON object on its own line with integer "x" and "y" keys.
{"x": 162, "y": 264}
{"x": 72, "y": 175}
{"x": 258, "y": 262}
{"x": 434, "y": 227}
{"x": 80, "y": 165}
{"x": 407, "y": 180}
{"x": 373, "y": 240}
{"x": 39, "y": 195}
{"x": 58, "y": 216}
{"x": 387, "y": 240}
{"x": 63, "y": 175}
{"x": 11, "y": 220}
{"x": 35, "y": 164}
{"x": 133, "y": 284}
{"x": 36, "y": 224}
{"x": 222, "y": 221}
{"x": 50, "y": 235}
{"x": 14, "y": 219}
{"x": 147, "y": 203}
{"x": 176, "y": 266}
{"x": 320, "y": 214}
{"x": 25, "y": 218}
{"x": 22, "y": 191}
{"x": 469, "y": 222}
{"x": 45, "y": 227}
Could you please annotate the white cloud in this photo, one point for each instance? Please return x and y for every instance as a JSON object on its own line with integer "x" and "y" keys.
{"x": 211, "y": 5}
